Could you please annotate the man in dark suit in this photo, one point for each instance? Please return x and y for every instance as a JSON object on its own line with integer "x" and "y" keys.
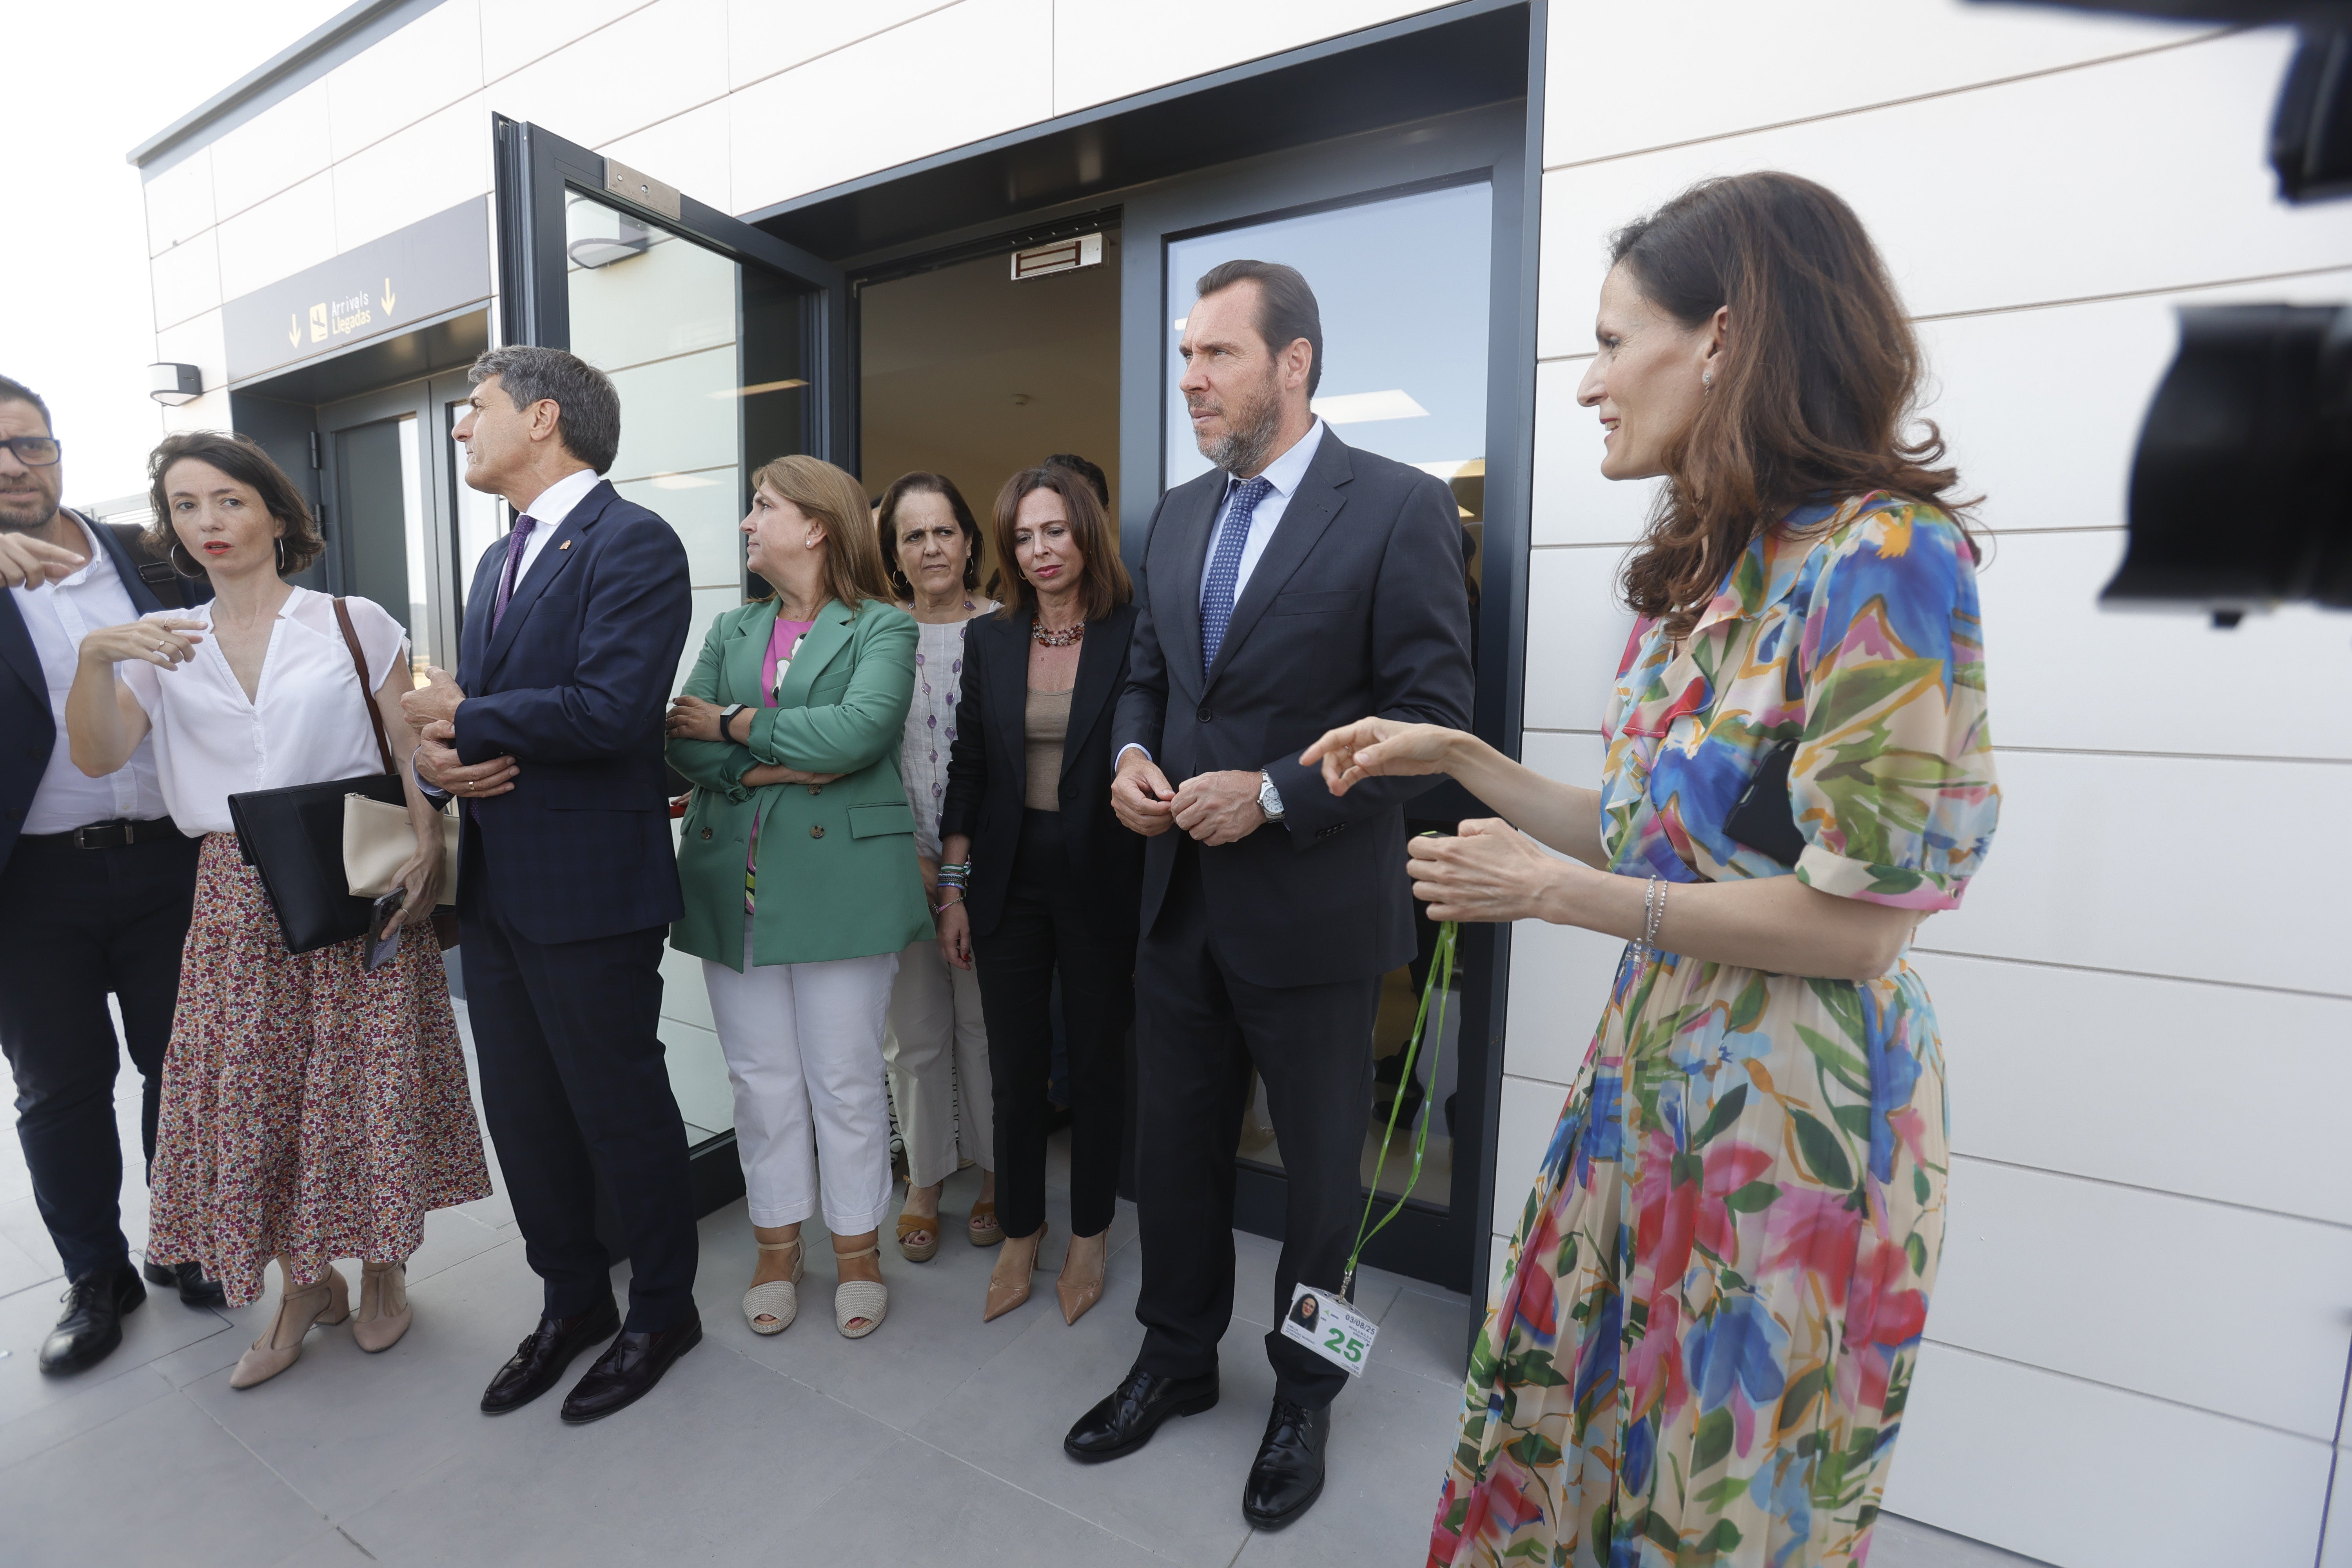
{"x": 551, "y": 733}
{"x": 1300, "y": 585}
{"x": 95, "y": 888}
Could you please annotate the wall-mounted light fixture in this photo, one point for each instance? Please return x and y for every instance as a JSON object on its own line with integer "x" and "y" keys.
{"x": 600, "y": 235}
{"x": 172, "y": 385}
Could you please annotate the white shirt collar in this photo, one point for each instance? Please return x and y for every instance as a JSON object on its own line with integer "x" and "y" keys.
{"x": 1287, "y": 472}
{"x": 553, "y": 504}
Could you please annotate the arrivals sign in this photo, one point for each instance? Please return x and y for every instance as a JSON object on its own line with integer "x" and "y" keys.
{"x": 387, "y": 285}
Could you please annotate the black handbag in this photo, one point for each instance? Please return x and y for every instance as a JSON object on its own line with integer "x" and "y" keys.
{"x": 1764, "y": 818}
{"x": 293, "y": 839}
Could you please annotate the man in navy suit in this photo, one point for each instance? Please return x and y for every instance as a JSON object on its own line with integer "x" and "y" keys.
{"x": 1298, "y": 585}
{"x": 95, "y": 890}
{"x": 552, "y": 734}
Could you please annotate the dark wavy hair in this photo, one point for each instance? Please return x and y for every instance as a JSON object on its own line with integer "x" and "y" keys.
{"x": 886, "y": 519}
{"x": 1817, "y": 383}
{"x": 242, "y": 459}
{"x": 1103, "y": 577}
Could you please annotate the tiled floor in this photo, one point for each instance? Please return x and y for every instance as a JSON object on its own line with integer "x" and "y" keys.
{"x": 936, "y": 1441}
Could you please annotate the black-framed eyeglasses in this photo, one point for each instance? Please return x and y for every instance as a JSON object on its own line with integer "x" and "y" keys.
{"x": 34, "y": 451}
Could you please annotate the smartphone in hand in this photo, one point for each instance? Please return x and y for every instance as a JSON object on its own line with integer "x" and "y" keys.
{"x": 383, "y": 928}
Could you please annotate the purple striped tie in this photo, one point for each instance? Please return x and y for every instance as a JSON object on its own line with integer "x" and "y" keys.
{"x": 523, "y": 525}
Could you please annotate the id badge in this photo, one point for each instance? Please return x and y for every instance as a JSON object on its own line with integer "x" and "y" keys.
{"x": 1325, "y": 1323}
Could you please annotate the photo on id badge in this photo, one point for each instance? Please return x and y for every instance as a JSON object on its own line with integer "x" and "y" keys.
{"x": 1326, "y": 1324}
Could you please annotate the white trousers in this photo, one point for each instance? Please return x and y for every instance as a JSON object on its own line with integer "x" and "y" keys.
{"x": 803, "y": 1045}
{"x": 935, "y": 1022}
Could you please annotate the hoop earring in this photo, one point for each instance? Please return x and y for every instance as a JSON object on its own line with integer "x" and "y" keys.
{"x": 971, "y": 572}
{"x": 176, "y": 554}
{"x": 281, "y": 543}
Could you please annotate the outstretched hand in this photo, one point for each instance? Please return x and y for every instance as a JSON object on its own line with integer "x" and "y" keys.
{"x": 1379, "y": 748}
{"x": 1488, "y": 871}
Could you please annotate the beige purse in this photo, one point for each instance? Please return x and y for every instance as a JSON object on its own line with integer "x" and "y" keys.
{"x": 377, "y": 837}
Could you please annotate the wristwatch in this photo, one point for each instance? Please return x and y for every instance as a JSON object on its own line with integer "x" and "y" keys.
{"x": 1269, "y": 799}
{"x": 727, "y": 720}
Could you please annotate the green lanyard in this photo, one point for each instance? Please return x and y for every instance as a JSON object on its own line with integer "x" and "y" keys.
{"x": 1441, "y": 981}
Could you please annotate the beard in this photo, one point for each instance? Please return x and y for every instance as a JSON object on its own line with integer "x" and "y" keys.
{"x": 1250, "y": 430}
{"x": 27, "y": 510}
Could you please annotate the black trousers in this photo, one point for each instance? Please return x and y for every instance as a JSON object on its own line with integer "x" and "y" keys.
{"x": 1049, "y": 921}
{"x": 1200, "y": 1031}
{"x": 76, "y": 924}
{"x": 574, "y": 1086}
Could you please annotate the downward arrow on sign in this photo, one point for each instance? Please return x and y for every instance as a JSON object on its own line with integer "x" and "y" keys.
{"x": 387, "y": 296}
{"x": 294, "y": 329}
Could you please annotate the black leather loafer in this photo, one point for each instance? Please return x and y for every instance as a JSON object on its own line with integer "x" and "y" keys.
{"x": 91, "y": 1324}
{"x": 189, "y": 1280}
{"x": 1126, "y": 1420}
{"x": 627, "y": 1372}
{"x": 1287, "y": 1475}
{"x": 544, "y": 1358}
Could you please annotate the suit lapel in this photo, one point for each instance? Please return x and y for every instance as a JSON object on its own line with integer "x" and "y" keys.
{"x": 1099, "y": 660}
{"x": 474, "y": 636}
{"x": 826, "y": 637}
{"x": 1180, "y": 601}
{"x": 143, "y": 599}
{"x": 554, "y": 557}
{"x": 1008, "y": 683}
{"x": 1318, "y": 500}
{"x": 743, "y": 658}
{"x": 16, "y": 649}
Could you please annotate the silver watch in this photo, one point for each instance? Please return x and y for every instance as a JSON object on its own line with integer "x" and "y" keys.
{"x": 1269, "y": 799}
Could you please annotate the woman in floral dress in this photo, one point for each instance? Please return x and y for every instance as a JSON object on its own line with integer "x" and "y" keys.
{"x": 1702, "y": 1343}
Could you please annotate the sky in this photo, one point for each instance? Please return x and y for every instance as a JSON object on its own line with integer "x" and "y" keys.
{"x": 89, "y": 83}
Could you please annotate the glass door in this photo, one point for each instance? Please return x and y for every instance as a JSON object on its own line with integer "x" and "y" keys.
{"x": 727, "y": 348}
{"x": 382, "y": 487}
{"x": 1409, "y": 239}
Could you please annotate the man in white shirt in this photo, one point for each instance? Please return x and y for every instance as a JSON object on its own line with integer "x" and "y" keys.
{"x": 95, "y": 890}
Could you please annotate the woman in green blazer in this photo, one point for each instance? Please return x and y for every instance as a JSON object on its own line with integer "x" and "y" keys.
{"x": 798, "y": 863}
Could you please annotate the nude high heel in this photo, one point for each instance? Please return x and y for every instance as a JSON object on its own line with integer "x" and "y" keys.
{"x": 327, "y": 1301}
{"x": 1080, "y": 1285}
{"x": 1008, "y": 1282}
{"x": 384, "y": 1313}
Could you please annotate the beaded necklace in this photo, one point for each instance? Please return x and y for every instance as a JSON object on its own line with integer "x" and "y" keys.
{"x": 1065, "y": 638}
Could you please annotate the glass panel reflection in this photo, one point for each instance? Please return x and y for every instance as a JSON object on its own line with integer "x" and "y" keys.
{"x": 1404, "y": 284}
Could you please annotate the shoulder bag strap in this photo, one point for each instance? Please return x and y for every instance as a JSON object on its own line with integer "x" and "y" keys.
{"x": 367, "y": 697}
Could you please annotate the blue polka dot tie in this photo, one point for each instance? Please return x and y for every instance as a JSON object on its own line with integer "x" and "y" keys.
{"x": 1226, "y": 567}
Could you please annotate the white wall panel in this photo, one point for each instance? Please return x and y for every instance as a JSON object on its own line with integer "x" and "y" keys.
{"x": 1794, "y": 59}
{"x": 2212, "y": 1090}
{"x": 285, "y": 143}
{"x": 666, "y": 426}
{"x": 1523, "y": 1131}
{"x": 180, "y": 202}
{"x": 186, "y": 280}
{"x": 706, "y": 518}
{"x": 1559, "y": 975}
{"x": 1576, "y": 634}
{"x": 267, "y": 241}
{"x": 2133, "y": 1288}
{"x": 2086, "y": 1477}
{"x": 1108, "y": 48}
{"x": 427, "y": 168}
{"x": 2063, "y": 673}
{"x": 692, "y": 152}
{"x": 956, "y": 76}
{"x": 1982, "y": 199}
{"x": 764, "y": 36}
{"x": 649, "y": 65}
{"x": 2158, "y": 866}
{"x": 517, "y": 32}
{"x": 427, "y": 65}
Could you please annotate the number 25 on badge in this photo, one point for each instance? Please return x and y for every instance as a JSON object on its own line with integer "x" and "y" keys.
{"x": 1326, "y": 1324}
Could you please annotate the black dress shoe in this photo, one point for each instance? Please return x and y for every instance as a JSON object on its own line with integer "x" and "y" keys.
{"x": 189, "y": 1280}
{"x": 1287, "y": 1475}
{"x": 91, "y": 1325}
{"x": 627, "y": 1372}
{"x": 1126, "y": 1421}
{"x": 542, "y": 1359}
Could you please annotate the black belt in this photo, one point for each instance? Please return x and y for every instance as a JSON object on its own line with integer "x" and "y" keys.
{"x": 111, "y": 834}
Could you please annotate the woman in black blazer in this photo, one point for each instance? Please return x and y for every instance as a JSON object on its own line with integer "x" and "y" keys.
{"x": 1052, "y": 879}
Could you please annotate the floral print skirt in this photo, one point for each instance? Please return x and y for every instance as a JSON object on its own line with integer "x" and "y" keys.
{"x": 1701, "y": 1348}
{"x": 310, "y": 1109}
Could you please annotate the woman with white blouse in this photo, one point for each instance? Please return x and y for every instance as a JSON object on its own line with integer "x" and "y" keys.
{"x": 313, "y": 1109}
{"x": 936, "y": 1048}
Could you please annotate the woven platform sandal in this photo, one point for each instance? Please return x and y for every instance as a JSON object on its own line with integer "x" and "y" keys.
{"x": 915, "y": 1225}
{"x": 779, "y": 1300}
{"x": 856, "y": 1298}
{"x": 983, "y": 1227}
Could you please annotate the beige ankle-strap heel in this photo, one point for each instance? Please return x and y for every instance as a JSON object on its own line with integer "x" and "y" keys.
{"x": 327, "y": 1301}
{"x": 384, "y": 1314}
{"x": 779, "y": 1300}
